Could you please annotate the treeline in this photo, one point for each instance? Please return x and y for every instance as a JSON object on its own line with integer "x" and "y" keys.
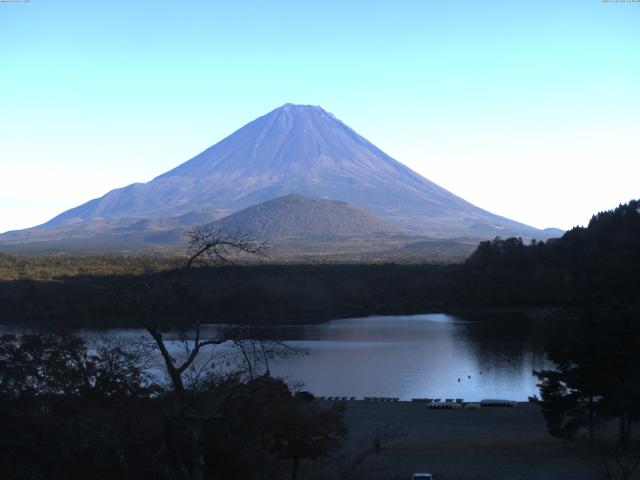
{"x": 253, "y": 293}
{"x": 592, "y": 395}
{"x": 592, "y": 267}
{"x": 50, "y": 267}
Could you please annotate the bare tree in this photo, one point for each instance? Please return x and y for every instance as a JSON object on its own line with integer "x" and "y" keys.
{"x": 188, "y": 385}
{"x": 155, "y": 295}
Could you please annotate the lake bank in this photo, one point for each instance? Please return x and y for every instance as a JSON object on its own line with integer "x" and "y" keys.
{"x": 483, "y": 444}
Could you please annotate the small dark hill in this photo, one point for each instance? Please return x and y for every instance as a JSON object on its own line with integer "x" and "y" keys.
{"x": 298, "y": 217}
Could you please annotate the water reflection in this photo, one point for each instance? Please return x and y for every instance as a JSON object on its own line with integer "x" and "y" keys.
{"x": 434, "y": 355}
{"x": 416, "y": 356}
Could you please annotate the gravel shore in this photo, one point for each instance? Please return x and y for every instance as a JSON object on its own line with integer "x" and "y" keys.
{"x": 489, "y": 443}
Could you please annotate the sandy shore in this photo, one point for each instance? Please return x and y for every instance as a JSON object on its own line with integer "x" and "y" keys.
{"x": 483, "y": 444}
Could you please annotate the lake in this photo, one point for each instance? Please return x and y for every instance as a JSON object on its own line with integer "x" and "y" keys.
{"x": 431, "y": 355}
{"x": 434, "y": 355}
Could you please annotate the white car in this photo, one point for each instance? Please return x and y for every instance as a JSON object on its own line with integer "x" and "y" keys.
{"x": 421, "y": 476}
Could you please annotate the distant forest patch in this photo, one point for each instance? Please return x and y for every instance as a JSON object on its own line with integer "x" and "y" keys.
{"x": 588, "y": 268}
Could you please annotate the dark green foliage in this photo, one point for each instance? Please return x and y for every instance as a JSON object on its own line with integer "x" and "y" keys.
{"x": 256, "y": 293}
{"x": 38, "y": 365}
{"x": 288, "y": 428}
{"x": 50, "y": 267}
{"x": 597, "y": 375}
{"x": 593, "y": 266}
{"x": 72, "y": 412}
{"x": 68, "y": 412}
{"x": 593, "y": 393}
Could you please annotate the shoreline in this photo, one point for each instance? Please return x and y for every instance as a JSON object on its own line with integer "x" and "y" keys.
{"x": 488, "y": 443}
{"x": 480, "y": 314}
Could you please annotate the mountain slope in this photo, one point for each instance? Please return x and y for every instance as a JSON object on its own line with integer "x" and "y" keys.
{"x": 299, "y": 217}
{"x": 293, "y": 149}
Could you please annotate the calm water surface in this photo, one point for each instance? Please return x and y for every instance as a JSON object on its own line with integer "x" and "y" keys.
{"x": 433, "y": 355}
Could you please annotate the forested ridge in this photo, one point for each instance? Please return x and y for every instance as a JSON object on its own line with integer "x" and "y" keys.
{"x": 296, "y": 293}
{"x": 589, "y": 267}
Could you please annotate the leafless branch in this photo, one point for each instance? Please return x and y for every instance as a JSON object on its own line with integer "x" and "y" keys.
{"x": 208, "y": 247}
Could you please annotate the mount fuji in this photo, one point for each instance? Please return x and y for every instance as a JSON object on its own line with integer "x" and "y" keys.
{"x": 294, "y": 149}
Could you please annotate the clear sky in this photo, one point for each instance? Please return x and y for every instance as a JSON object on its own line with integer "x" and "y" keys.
{"x": 530, "y": 109}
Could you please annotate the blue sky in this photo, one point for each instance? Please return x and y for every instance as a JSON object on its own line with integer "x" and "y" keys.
{"x": 528, "y": 109}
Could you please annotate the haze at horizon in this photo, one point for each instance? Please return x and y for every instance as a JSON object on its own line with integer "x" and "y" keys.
{"x": 529, "y": 111}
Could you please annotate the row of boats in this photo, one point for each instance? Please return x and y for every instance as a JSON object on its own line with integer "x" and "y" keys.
{"x": 366, "y": 399}
{"x": 447, "y": 403}
{"x": 451, "y": 403}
